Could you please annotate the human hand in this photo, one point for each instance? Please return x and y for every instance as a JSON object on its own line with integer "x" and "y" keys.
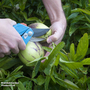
{"x": 58, "y": 29}
{"x": 10, "y": 40}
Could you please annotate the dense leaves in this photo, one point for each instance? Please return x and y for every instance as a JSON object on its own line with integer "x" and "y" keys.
{"x": 68, "y": 65}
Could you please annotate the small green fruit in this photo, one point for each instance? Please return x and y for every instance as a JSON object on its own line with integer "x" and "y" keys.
{"x": 41, "y": 26}
{"x": 33, "y": 51}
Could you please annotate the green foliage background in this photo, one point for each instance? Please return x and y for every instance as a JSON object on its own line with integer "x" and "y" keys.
{"x": 67, "y": 66}
{"x": 27, "y": 11}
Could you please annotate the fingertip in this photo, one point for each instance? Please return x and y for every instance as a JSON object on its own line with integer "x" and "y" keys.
{"x": 22, "y": 46}
{"x": 49, "y": 40}
{"x": 53, "y": 38}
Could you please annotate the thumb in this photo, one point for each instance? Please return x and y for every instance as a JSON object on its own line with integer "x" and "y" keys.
{"x": 54, "y": 37}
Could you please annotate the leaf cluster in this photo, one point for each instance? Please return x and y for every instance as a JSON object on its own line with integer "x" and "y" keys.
{"x": 64, "y": 70}
{"x": 27, "y": 11}
{"x": 77, "y": 13}
{"x": 68, "y": 65}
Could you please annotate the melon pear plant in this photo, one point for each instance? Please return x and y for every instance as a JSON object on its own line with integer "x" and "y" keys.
{"x": 66, "y": 70}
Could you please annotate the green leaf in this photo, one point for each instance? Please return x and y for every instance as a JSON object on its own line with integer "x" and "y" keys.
{"x": 47, "y": 48}
{"x": 76, "y": 2}
{"x": 76, "y": 20}
{"x": 47, "y": 82}
{"x": 49, "y": 62}
{"x": 17, "y": 69}
{"x": 4, "y": 61}
{"x": 67, "y": 9}
{"x": 66, "y": 83}
{"x": 57, "y": 60}
{"x": 73, "y": 15}
{"x": 83, "y": 3}
{"x": 72, "y": 52}
{"x": 86, "y": 61}
{"x": 47, "y": 70}
{"x": 87, "y": 24}
{"x": 83, "y": 70}
{"x": 66, "y": 6}
{"x": 82, "y": 46}
{"x": 6, "y": 88}
{"x": 12, "y": 88}
{"x": 56, "y": 50}
{"x": 88, "y": 19}
{"x": 26, "y": 81}
{"x": 13, "y": 77}
{"x": 20, "y": 86}
{"x": 40, "y": 80}
{"x": 70, "y": 72}
{"x": 29, "y": 85}
{"x": 11, "y": 63}
{"x": 52, "y": 77}
{"x": 81, "y": 10}
{"x": 22, "y": 4}
{"x": 53, "y": 53}
{"x": 71, "y": 64}
{"x": 89, "y": 86}
{"x": 72, "y": 29}
{"x": 32, "y": 63}
{"x": 83, "y": 80}
{"x": 36, "y": 69}
{"x": 72, "y": 85}
{"x": 63, "y": 56}
{"x": 29, "y": 19}
{"x": 3, "y": 73}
